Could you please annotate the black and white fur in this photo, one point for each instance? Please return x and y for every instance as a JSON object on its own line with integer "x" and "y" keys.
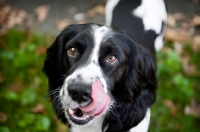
{"x": 130, "y": 81}
{"x": 145, "y": 20}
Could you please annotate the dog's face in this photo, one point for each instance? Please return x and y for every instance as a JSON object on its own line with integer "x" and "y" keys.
{"x": 88, "y": 60}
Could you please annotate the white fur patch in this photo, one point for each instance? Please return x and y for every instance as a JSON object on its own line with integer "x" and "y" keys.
{"x": 110, "y": 5}
{"x": 153, "y": 13}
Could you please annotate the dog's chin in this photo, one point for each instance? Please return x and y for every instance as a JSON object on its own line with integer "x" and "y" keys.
{"x": 77, "y": 117}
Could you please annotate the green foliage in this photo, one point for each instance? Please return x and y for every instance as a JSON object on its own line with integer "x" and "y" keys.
{"x": 23, "y": 86}
{"x": 176, "y": 89}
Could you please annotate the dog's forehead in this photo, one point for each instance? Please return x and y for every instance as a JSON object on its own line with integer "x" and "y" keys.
{"x": 99, "y": 34}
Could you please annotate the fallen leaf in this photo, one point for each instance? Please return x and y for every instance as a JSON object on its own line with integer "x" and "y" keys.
{"x": 97, "y": 10}
{"x": 171, "y": 106}
{"x": 178, "y": 47}
{"x": 16, "y": 17}
{"x": 3, "y": 117}
{"x": 1, "y": 77}
{"x": 196, "y": 20}
{"x": 73, "y": 10}
{"x": 39, "y": 108}
{"x": 188, "y": 68}
{"x": 171, "y": 34}
{"x": 91, "y": 13}
{"x": 192, "y": 109}
{"x": 196, "y": 43}
{"x": 41, "y": 50}
{"x": 171, "y": 20}
{"x": 11, "y": 17}
{"x": 42, "y": 12}
{"x": 16, "y": 85}
{"x": 185, "y": 26}
{"x": 61, "y": 24}
{"x": 180, "y": 17}
{"x": 179, "y": 35}
{"x": 79, "y": 17}
{"x": 100, "y": 9}
{"x": 4, "y": 12}
{"x": 81, "y": 22}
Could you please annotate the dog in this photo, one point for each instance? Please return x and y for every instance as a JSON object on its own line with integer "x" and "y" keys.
{"x": 87, "y": 54}
{"x": 101, "y": 79}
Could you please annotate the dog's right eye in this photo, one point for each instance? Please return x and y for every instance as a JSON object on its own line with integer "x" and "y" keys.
{"x": 72, "y": 51}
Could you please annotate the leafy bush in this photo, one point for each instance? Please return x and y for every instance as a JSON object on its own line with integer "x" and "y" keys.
{"x": 176, "y": 91}
{"x": 23, "y": 85}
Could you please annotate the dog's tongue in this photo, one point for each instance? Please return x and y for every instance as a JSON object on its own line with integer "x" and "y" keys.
{"x": 100, "y": 100}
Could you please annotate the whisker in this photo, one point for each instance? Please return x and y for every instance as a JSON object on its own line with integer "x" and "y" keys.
{"x": 56, "y": 98}
{"x": 112, "y": 110}
{"x": 62, "y": 77}
{"x": 53, "y": 92}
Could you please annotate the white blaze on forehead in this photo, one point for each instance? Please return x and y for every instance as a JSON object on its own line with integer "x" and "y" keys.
{"x": 99, "y": 34}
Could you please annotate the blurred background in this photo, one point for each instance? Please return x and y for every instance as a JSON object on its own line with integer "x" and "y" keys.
{"x": 28, "y": 27}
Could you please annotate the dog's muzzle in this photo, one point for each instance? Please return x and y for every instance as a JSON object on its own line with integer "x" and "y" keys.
{"x": 92, "y": 101}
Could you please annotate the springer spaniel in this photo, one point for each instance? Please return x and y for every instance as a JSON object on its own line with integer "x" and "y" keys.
{"x": 89, "y": 59}
{"x": 100, "y": 79}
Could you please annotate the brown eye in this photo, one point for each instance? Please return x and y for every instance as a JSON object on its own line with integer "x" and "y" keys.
{"x": 112, "y": 59}
{"x": 72, "y": 51}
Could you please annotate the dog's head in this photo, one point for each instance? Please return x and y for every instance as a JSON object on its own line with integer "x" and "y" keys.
{"x": 97, "y": 71}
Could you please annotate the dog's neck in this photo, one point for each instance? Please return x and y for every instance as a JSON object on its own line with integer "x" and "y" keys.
{"x": 94, "y": 126}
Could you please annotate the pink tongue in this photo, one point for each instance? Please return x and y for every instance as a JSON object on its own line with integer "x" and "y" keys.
{"x": 100, "y": 100}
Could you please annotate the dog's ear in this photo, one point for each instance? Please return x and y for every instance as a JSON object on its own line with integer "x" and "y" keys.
{"x": 54, "y": 64}
{"x": 141, "y": 81}
{"x": 137, "y": 93}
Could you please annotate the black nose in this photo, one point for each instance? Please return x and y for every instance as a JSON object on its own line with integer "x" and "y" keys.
{"x": 80, "y": 92}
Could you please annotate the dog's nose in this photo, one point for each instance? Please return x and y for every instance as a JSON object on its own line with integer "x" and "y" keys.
{"x": 80, "y": 92}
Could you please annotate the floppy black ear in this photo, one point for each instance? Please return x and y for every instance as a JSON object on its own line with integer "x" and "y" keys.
{"x": 140, "y": 76}
{"x": 141, "y": 80}
{"x": 53, "y": 59}
{"x": 137, "y": 93}
{"x": 52, "y": 68}
{"x": 55, "y": 65}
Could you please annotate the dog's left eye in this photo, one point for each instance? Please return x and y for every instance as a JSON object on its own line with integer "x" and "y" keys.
{"x": 112, "y": 59}
{"x": 72, "y": 51}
